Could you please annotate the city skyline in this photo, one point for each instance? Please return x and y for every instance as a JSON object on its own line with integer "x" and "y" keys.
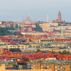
{"x": 16, "y": 10}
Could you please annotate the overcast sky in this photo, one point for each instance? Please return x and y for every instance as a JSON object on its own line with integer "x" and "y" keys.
{"x": 15, "y": 10}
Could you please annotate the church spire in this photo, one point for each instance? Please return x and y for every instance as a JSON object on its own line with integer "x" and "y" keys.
{"x": 59, "y": 16}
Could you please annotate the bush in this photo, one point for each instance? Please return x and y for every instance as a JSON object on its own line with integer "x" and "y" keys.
{"x": 38, "y": 50}
{"x": 64, "y": 52}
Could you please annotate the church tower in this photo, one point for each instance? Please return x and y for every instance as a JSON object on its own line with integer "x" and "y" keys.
{"x": 59, "y": 16}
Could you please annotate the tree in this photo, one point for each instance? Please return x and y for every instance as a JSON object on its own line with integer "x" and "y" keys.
{"x": 4, "y": 31}
{"x": 60, "y": 52}
{"x": 65, "y": 52}
{"x": 49, "y": 44}
{"x": 53, "y": 52}
{"x": 38, "y": 50}
{"x": 38, "y": 28}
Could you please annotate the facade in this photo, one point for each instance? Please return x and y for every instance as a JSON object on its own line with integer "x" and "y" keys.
{"x": 40, "y": 66}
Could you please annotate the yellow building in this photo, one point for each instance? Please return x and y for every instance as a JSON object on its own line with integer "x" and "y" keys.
{"x": 8, "y": 46}
{"x": 2, "y": 68}
{"x": 42, "y": 67}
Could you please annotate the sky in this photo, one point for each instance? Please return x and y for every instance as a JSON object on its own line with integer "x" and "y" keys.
{"x": 18, "y": 10}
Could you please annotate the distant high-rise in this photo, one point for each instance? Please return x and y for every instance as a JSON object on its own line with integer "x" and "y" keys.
{"x": 47, "y": 18}
{"x": 59, "y": 16}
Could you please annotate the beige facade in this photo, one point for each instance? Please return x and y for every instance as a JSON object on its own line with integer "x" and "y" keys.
{"x": 51, "y": 67}
{"x": 14, "y": 46}
{"x": 2, "y": 68}
{"x": 51, "y": 58}
{"x": 46, "y": 27}
{"x": 51, "y": 26}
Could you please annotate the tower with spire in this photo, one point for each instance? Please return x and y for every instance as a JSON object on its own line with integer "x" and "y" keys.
{"x": 59, "y": 16}
{"x": 59, "y": 19}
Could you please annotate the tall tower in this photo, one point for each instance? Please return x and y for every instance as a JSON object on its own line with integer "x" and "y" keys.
{"x": 59, "y": 16}
{"x": 47, "y": 18}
